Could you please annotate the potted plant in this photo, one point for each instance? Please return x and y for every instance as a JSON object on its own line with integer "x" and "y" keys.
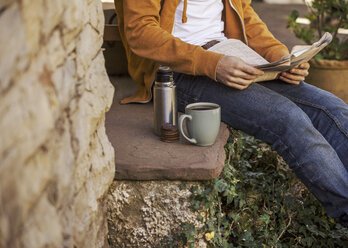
{"x": 329, "y": 68}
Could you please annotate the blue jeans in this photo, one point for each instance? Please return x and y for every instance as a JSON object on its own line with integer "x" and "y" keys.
{"x": 307, "y": 126}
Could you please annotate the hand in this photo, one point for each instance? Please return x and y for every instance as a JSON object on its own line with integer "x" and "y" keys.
{"x": 234, "y": 72}
{"x": 295, "y": 75}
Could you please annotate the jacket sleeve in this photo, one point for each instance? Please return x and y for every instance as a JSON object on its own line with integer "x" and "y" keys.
{"x": 259, "y": 37}
{"x": 146, "y": 38}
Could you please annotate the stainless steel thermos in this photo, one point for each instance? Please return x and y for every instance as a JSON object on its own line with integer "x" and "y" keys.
{"x": 164, "y": 99}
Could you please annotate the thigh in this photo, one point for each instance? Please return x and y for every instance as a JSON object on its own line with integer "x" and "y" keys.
{"x": 328, "y": 113}
{"x": 312, "y": 101}
{"x": 242, "y": 109}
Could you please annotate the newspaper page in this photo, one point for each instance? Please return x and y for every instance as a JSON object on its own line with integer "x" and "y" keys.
{"x": 299, "y": 54}
{"x": 237, "y": 48}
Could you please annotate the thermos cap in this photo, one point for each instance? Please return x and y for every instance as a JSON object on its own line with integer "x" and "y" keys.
{"x": 164, "y": 74}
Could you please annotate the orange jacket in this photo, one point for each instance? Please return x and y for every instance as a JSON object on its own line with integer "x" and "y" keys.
{"x": 145, "y": 28}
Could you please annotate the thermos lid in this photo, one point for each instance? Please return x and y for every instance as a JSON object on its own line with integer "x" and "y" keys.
{"x": 164, "y": 74}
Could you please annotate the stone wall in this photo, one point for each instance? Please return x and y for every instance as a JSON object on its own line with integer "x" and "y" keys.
{"x": 56, "y": 162}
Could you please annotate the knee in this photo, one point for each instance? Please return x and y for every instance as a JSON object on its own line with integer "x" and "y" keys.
{"x": 289, "y": 131}
{"x": 289, "y": 118}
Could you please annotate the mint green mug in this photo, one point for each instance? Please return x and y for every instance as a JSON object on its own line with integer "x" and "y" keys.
{"x": 203, "y": 123}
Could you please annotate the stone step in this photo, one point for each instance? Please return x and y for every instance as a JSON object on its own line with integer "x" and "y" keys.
{"x": 140, "y": 155}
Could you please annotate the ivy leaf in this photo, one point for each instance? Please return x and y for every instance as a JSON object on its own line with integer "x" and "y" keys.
{"x": 220, "y": 186}
{"x": 265, "y": 218}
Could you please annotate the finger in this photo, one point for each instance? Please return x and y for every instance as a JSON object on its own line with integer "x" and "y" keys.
{"x": 242, "y": 74}
{"x": 252, "y": 70}
{"x": 239, "y": 80}
{"x": 287, "y": 80}
{"x": 237, "y": 86}
{"x": 304, "y": 65}
{"x": 293, "y": 76}
{"x": 302, "y": 72}
{"x": 235, "y": 80}
{"x": 249, "y": 69}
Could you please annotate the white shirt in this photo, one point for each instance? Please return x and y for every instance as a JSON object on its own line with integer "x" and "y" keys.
{"x": 203, "y": 22}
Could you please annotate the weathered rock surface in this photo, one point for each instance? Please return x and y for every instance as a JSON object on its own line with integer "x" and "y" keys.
{"x": 149, "y": 214}
{"x": 56, "y": 162}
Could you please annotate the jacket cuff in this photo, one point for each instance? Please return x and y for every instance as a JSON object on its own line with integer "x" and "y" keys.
{"x": 207, "y": 62}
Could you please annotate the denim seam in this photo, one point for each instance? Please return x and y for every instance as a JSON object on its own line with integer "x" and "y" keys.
{"x": 322, "y": 108}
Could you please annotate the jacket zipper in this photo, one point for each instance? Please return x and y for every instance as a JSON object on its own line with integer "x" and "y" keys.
{"x": 241, "y": 20}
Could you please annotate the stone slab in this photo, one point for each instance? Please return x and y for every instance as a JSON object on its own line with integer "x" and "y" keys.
{"x": 140, "y": 155}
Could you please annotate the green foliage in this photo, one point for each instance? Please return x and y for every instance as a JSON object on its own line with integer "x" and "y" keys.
{"x": 324, "y": 16}
{"x": 258, "y": 202}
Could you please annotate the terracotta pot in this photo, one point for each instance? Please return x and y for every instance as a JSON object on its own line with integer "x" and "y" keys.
{"x": 330, "y": 75}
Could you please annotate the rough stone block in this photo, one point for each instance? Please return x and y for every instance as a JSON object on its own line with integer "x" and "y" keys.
{"x": 33, "y": 12}
{"x": 87, "y": 48}
{"x": 13, "y": 47}
{"x": 27, "y": 117}
{"x": 87, "y": 110}
{"x": 55, "y": 50}
{"x": 56, "y": 162}
{"x": 97, "y": 16}
{"x": 149, "y": 213}
{"x": 64, "y": 79}
{"x": 47, "y": 231}
{"x": 53, "y": 11}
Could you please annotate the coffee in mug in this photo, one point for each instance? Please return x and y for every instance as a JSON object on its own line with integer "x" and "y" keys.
{"x": 203, "y": 123}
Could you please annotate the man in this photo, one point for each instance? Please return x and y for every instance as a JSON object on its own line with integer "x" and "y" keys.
{"x": 307, "y": 126}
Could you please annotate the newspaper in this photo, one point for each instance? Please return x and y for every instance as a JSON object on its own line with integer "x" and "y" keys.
{"x": 299, "y": 54}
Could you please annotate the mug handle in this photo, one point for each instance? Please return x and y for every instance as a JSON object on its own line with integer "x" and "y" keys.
{"x": 181, "y": 121}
